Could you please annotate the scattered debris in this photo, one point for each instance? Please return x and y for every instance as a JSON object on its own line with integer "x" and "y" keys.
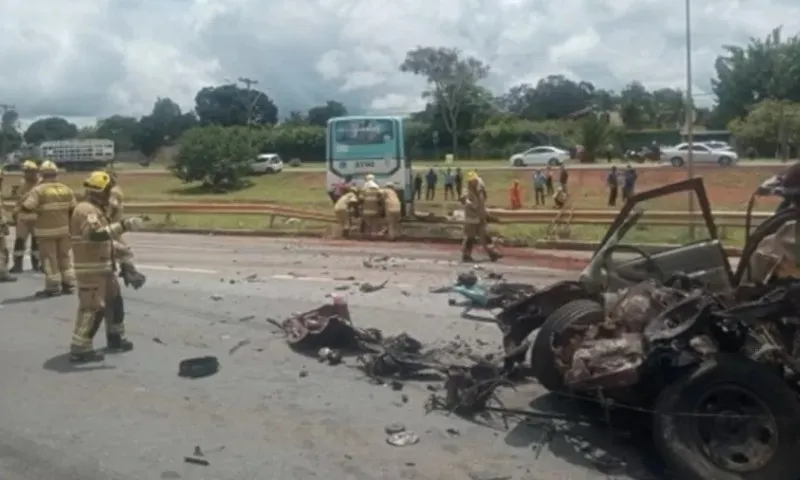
{"x": 158, "y": 341}
{"x": 198, "y": 367}
{"x": 196, "y": 461}
{"x": 402, "y": 439}
{"x": 303, "y": 374}
{"x": 217, "y": 298}
{"x": 247, "y": 318}
{"x": 238, "y": 345}
{"x": 367, "y": 287}
{"x": 394, "y": 428}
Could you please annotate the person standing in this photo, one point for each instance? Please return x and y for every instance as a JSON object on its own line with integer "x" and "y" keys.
{"x": 539, "y": 187}
{"x": 475, "y": 221}
{"x": 430, "y": 184}
{"x": 393, "y": 208}
{"x": 5, "y": 276}
{"x": 458, "y": 180}
{"x": 418, "y": 186}
{"x": 93, "y": 247}
{"x": 548, "y": 178}
{"x": 515, "y": 196}
{"x": 52, "y": 202}
{"x": 613, "y": 186}
{"x": 449, "y": 192}
{"x": 24, "y": 221}
{"x": 629, "y": 182}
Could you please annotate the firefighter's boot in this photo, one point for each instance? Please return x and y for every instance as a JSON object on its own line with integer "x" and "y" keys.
{"x": 92, "y": 356}
{"x": 19, "y": 248}
{"x": 118, "y": 344}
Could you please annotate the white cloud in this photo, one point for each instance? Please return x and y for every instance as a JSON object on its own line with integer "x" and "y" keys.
{"x": 93, "y": 58}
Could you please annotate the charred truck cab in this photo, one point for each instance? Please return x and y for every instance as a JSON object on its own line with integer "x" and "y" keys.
{"x": 356, "y": 146}
{"x": 712, "y": 352}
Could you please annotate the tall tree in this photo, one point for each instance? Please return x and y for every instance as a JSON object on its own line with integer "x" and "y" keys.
{"x": 229, "y": 105}
{"x": 120, "y": 129}
{"x": 10, "y": 138}
{"x": 50, "y": 128}
{"x": 764, "y": 69}
{"x": 320, "y": 115}
{"x": 451, "y": 79}
{"x": 162, "y": 127}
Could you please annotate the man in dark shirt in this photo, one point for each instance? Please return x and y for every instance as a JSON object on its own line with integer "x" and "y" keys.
{"x": 458, "y": 180}
{"x": 629, "y": 182}
{"x": 430, "y": 184}
{"x": 613, "y": 186}
{"x": 418, "y": 186}
{"x": 548, "y": 179}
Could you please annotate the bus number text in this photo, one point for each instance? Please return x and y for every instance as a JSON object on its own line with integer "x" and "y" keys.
{"x": 365, "y": 164}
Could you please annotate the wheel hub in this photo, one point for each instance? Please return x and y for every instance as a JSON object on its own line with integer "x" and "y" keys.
{"x": 736, "y": 430}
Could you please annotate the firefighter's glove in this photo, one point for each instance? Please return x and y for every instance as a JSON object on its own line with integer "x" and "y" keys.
{"x": 131, "y": 224}
{"x": 131, "y": 277}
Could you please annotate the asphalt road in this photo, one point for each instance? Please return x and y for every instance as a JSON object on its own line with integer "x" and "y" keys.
{"x": 133, "y": 418}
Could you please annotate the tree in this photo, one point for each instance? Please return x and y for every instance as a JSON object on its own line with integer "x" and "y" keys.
{"x": 229, "y": 105}
{"x": 164, "y": 125}
{"x": 295, "y": 119}
{"x": 10, "y": 138}
{"x": 320, "y": 115}
{"x": 763, "y": 69}
{"x": 48, "y": 129}
{"x": 765, "y": 124}
{"x": 217, "y": 156}
{"x": 451, "y": 78}
{"x": 120, "y": 129}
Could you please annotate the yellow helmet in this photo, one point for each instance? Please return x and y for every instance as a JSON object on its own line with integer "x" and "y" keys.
{"x": 48, "y": 167}
{"x": 472, "y": 176}
{"x": 29, "y": 165}
{"x": 98, "y": 181}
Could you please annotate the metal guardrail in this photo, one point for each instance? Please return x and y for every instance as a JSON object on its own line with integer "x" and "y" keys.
{"x": 579, "y": 217}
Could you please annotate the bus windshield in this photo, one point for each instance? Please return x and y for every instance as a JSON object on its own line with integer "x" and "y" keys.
{"x": 364, "y": 132}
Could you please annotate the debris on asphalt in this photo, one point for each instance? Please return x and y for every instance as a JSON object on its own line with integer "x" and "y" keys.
{"x": 158, "y": 341}
{"x": 238, "y": 345}
{"x": 367, "y": 287}
{"x": 196, "y": 461}
{"x": 217, "y": 298}
{"x": 402, "y": 439}
{"x": 393, "y": 428}
{"x": 247, "y": 318}
{"x": 198, "y": 367}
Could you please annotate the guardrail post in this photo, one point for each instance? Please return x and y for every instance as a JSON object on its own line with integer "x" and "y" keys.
{"x": 168, "y": 220}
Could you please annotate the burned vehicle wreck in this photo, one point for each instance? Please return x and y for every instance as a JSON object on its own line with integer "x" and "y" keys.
{"x": 712, "y": 352}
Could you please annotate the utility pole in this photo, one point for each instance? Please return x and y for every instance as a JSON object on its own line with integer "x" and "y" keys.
{"x": 248, "y": 84}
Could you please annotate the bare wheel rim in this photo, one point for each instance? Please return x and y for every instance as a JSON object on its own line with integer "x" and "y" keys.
{"x": 735, "y": 429}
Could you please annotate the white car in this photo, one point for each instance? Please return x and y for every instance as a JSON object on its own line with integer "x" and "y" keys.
{"x": 678, "y": 155}
{"x": 545, "y": 155}
{"x": 267, "y": 163}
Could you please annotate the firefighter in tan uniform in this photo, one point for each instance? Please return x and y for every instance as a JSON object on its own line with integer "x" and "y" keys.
{"x": 393, "y": 208}
{"x": 4, "y": 256}
{"x": 371, "y": 205}
{"x": 94, "y": 250}
{"x": 128, "y": 272}
{"x": 342, "y": 210}
{"x": 51, "y": 202}
{"x": 23, "y": 221}
{"x": 475, "y": 221}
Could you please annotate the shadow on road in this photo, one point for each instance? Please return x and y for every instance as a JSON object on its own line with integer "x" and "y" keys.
{"x": 61, "y": 364}
{"x": 616, "y": 449}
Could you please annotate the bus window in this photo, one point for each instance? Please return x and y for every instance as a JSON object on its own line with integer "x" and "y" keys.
{"x": 364, "y": 132}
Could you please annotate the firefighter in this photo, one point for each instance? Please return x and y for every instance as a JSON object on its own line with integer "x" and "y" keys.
{"x": 560, "y": 197}
{"x": 371, "y": 205}
{"x": 94, "y": 249}
{"x": 127, "y": 270}
{"x": 393, "y": 208}
{"x": 4, "y": 275}
{"x": 342, "y": 210}
{"x": 24, "y": 221}
{"x": 475, "y": 221}
{"x": 51, "y": 203}
{"x": 776, "y": 255}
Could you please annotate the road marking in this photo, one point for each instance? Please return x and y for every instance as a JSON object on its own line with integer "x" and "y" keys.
{"x": 166, "y": 268}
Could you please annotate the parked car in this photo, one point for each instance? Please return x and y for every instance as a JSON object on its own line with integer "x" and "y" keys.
{"x": 267, "y": 163}
{"x": 718, "y": 145}
{"x": 678, "y": 155}
{"x": 545, "y": 155}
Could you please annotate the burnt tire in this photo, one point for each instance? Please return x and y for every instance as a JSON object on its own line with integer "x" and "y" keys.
{"x": 678, "y": 437}
{"x": 543, "y": 360}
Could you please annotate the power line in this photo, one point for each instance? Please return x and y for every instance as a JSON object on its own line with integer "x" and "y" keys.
{"x": 247, "y": 82}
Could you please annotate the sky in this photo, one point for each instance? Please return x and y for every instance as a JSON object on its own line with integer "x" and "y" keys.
{"x": 88, "y": 59}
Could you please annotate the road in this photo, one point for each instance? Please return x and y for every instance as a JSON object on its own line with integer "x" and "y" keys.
{"x": 133, "y": 418}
